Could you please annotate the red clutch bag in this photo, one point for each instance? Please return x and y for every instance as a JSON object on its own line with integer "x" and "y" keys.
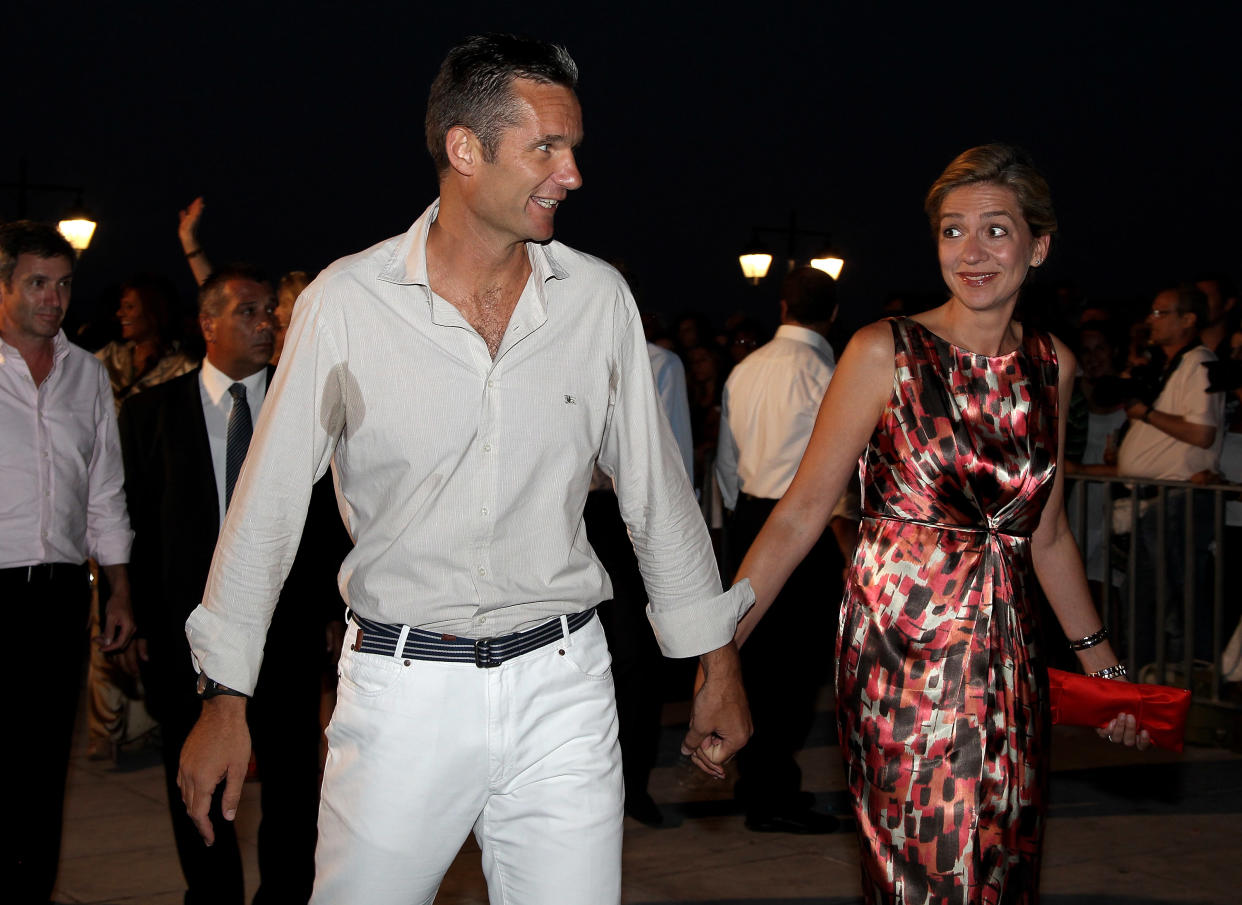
{"x": 1078, "y": 700}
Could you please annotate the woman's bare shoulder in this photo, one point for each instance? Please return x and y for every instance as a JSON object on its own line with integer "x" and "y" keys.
{"x": 872, "y": 346}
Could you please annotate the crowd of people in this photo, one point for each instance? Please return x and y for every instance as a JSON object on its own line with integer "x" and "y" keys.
{"x": 476, "y": 387}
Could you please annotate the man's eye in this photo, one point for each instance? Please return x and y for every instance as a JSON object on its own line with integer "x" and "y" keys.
{"x": 543, "y": 147}
{"x": 997, "y": 232}
{"x": 951, "y": 232}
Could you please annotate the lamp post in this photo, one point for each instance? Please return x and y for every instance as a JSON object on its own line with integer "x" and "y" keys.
{"x": 77, "y": 226}
{"x": 756, "y": 259}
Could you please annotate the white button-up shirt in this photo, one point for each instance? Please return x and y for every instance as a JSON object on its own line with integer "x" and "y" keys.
{"x": 768, "y": 409}
{"x": 462, "y": 479}
{"x": 62, "y": 494}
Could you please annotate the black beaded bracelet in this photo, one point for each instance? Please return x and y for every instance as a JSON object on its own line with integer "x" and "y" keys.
{"x": 1090, "y": 641}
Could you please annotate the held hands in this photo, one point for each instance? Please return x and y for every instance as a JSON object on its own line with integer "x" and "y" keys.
{"x": 217, "y": 749}
{"x": 720, "y": 718}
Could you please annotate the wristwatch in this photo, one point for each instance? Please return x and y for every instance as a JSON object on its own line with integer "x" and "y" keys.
{"x": 210, "y": 688}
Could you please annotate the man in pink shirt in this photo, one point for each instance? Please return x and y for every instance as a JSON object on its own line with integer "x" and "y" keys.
{"x": 61, "y": 500}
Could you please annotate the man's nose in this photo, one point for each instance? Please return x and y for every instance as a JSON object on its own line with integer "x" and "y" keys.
{"x": 569, "y": 176}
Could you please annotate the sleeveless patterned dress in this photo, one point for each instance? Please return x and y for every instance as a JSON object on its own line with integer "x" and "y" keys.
{"x": 940, "y": 681}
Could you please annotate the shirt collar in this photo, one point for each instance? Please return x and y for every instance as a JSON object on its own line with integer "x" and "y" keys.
{"x": 60, "y": 348}
{"x": 407, "y": 264}
{"x": 217, "y": 383}
{"x": 805, "y": 335}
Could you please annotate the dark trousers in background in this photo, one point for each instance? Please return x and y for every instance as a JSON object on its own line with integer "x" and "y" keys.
{"x": 785, "y": 663}
{"x": 283, "y": 718}
{"x": 637, "y": 663}
{"x": 48, "y": 653}
{"x": 1176, "y": 572}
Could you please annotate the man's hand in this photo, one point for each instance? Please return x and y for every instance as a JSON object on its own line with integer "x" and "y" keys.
{"x": 118, "y": 625}
{"x": 135, "y": 653}
{"x": 218, "y": 748}
{"x": 720, "y": 720}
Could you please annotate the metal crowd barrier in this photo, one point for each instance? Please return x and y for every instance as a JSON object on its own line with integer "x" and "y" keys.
{"x": 1182, "y": 672}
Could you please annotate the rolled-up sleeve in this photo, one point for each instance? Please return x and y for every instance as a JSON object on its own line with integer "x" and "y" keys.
{"x": 108, "y": 534}
{"x": 687, "y": 609}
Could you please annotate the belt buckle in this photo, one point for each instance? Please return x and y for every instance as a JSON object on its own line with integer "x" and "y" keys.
{"x": 483, "y": 658}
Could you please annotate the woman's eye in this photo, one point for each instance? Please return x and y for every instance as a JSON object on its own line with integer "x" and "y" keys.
{"x": 951, "y": 232}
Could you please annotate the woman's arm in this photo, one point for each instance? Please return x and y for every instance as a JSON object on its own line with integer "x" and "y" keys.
{"x": 856, "y": 396}
{"x": 187, "y": 232}
{"x": 1058, "y": 566}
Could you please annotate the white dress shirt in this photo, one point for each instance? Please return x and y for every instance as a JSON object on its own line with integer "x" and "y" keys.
{"x": 670, "y": 378}
{"x": 462, "y": 479}
{"x": 62, "y": 495}
{"x": 213, "y": 389}
{"x": 768, "y": 409}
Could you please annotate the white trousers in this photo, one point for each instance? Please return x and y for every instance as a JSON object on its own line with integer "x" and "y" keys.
{"x": 525, "y": 753}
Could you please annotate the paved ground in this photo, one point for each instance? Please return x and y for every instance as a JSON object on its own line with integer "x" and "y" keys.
{"x": 1124, "y": 828}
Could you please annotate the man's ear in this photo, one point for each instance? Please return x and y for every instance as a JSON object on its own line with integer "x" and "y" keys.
{"x": 465, "y": 154}
{"x": 208, "y": 327}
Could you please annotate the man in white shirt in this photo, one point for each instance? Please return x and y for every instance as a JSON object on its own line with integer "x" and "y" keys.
{"x": 768, "y": 408}
{"x": 61, "y": 500}
{"x": 1173, "y": 437}
{"x": 464, "y": 380}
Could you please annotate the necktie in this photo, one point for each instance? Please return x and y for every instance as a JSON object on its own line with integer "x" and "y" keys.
{"x": 237, "y": 440}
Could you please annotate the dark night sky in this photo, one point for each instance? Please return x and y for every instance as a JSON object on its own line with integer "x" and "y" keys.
{"x": 302, "y": 126}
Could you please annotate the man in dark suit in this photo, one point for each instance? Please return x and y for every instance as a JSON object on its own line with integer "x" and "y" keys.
{"x": 183, "y": 443}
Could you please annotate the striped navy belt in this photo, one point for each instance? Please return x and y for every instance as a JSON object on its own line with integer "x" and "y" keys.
{"x": 419, "y": 644}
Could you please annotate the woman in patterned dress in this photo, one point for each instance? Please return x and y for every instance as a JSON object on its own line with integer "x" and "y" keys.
{"x": 941, "y": 685}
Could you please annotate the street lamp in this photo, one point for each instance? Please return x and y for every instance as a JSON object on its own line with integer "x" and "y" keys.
{"x": 829, "y": 262}
{"x": 756, "y": 259}
{"x": 77, "y": 226}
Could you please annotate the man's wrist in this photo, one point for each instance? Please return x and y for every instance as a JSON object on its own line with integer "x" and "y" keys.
{"x": 208, "y": 689}
{"x": 724, "y": 658}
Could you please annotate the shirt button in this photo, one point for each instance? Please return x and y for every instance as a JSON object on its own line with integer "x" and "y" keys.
{"x": 482, "y": 571}
{"x": 482, "y": 619}
{"x": 491, "y": 383}
{"x": 487, "y": 447}
{"x": 483, "y": 511}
